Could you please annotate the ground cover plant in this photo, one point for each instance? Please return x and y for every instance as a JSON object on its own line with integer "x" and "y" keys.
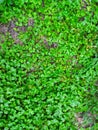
{"x": 49, "y": 65}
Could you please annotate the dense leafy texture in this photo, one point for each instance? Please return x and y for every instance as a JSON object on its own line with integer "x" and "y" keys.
{"x": 48, "y": 64}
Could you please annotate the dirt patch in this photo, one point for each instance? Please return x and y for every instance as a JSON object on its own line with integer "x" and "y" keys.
{"x": 45, "y": 43}
{"x": 3, "y": 28}
{"x": 14, "y": 30}
{"x": 96, "y": 83}
{"x": 85, "y": 119}
{"x": 30, "y": 22}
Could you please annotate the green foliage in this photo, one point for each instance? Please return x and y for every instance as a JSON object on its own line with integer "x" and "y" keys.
{"x": 51, "y": 73}
{"x": 12, "y": 2}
